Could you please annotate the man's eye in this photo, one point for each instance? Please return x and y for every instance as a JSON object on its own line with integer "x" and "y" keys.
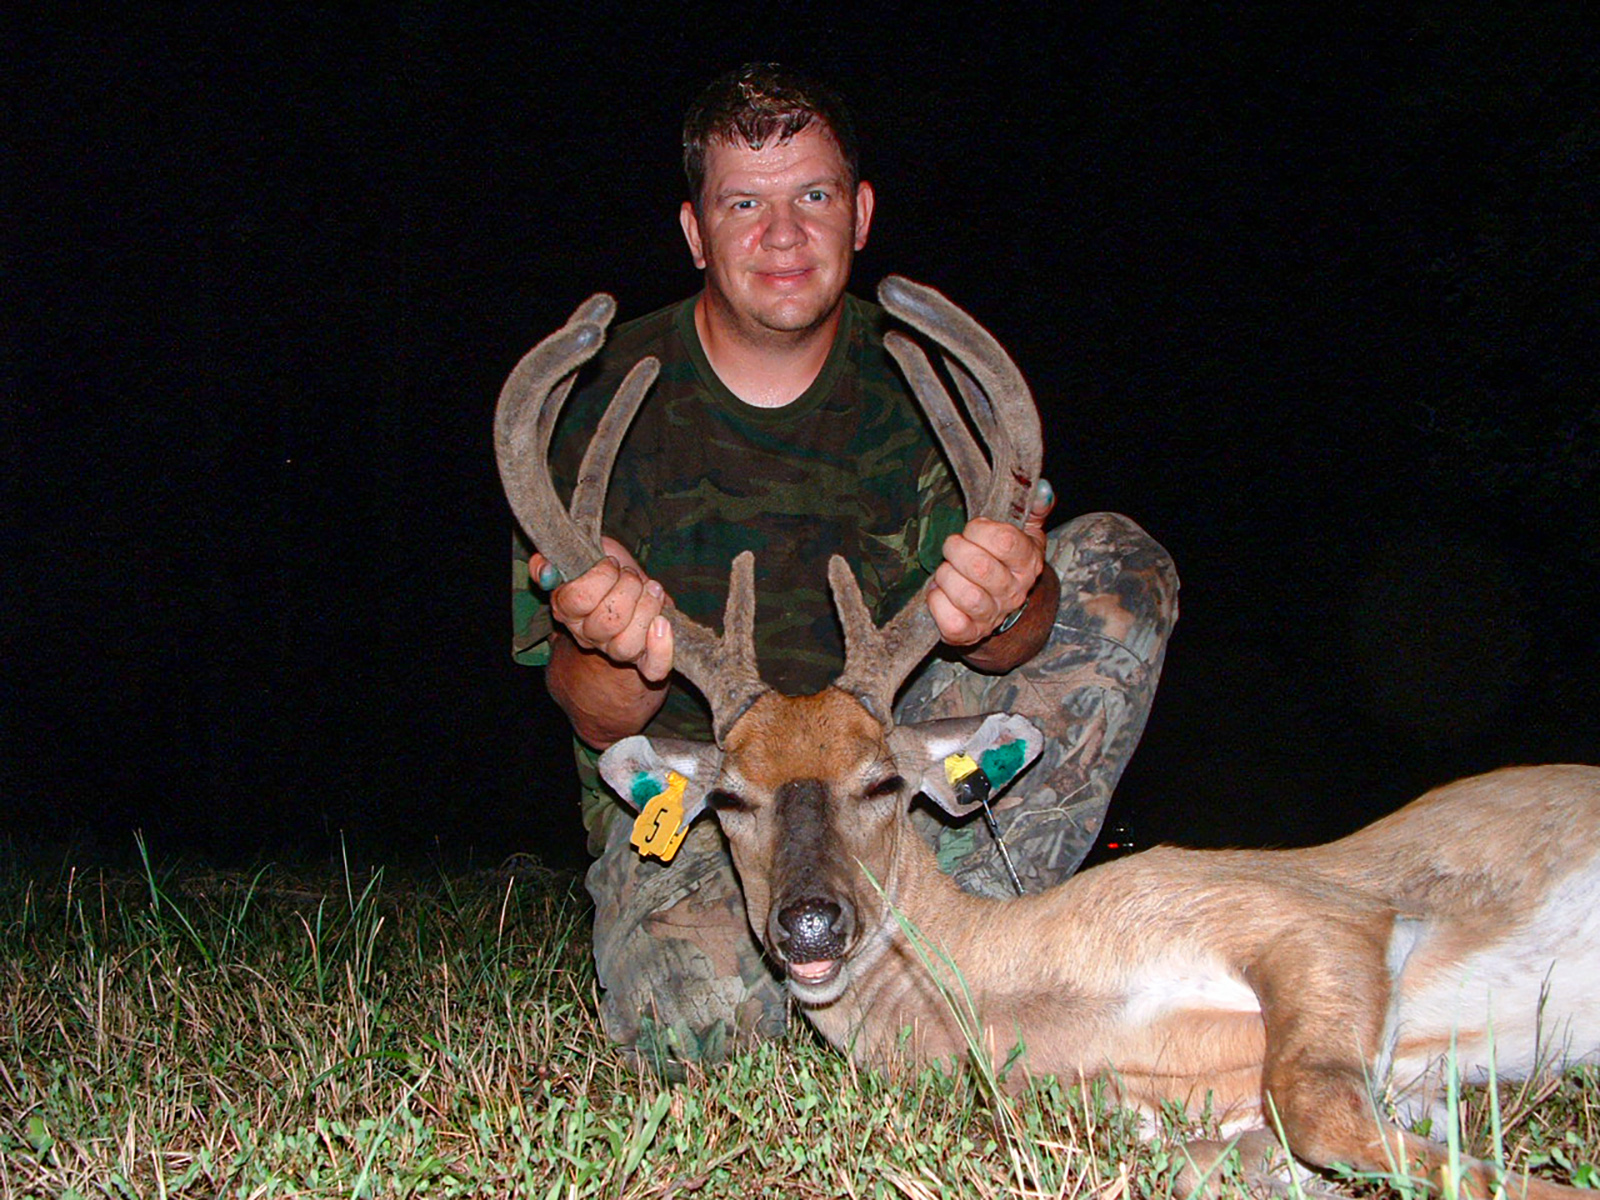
{"x": 816, "y": 195}
{"x": 743, "y": 205}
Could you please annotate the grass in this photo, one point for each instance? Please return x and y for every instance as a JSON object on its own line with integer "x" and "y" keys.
{"x": 181, "y": 1033}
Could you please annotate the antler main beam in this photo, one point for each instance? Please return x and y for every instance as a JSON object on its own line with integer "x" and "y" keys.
{"x": 877, "y": 660}
{"x": 722, "y": 668}
{"x": 525, "y": 420}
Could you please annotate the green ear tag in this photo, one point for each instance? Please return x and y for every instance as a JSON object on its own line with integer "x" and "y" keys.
{"x": 659, "y": 830}
{"x": 1001, "y": 763}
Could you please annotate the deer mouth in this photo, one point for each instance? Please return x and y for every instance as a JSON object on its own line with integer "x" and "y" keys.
{"x": 815, "y": 974}
{"x": 831, "y": 969}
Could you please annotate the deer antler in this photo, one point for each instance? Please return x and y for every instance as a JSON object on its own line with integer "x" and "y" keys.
{"x": 722, "y": 668}
{"x": 877, "y": 660}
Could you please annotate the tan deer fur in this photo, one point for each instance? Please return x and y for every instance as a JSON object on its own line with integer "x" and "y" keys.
{"x": 1324, "y": 978}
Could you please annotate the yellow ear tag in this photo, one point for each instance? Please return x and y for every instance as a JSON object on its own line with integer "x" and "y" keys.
{"x": 659, "y": 830}
{"x": 958, "y": 766}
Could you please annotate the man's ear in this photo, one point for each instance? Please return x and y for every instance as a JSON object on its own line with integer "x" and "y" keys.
{"x": 637, "y": 768}
{"x": 937, "y": 755}
{"x": 866, "y": 201}
{"x": 690, "y": 220}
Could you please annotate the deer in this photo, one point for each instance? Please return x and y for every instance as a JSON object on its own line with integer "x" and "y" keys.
{"x": 1314, "y": 999}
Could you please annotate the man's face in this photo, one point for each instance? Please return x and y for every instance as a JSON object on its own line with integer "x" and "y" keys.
{"x": 776, "y": 232}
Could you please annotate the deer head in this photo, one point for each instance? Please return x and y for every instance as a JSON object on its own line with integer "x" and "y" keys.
{"x": 811, "y": 791}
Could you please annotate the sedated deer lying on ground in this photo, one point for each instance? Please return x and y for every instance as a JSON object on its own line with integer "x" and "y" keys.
{"x": 1302, "y": 990}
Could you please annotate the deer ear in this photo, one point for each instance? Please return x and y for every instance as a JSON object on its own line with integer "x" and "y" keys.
{"x": 937, "y": 755}
{"x": 637, "y": 769}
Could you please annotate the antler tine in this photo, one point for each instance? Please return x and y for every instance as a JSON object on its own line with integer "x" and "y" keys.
{"x": 1017, "y": 450}
{"x": 723, "y": 669}
{"x": 877, "y": 660}
{"x": 983, "y": 414}
{"x": 594, "y": 473}
{"x": 971, "y": 468}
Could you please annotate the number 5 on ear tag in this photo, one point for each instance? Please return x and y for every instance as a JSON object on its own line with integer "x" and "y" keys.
{"x": 659, "y": 830}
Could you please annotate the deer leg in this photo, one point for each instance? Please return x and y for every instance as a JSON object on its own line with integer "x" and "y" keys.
{"x": 1326, "y": 1002}
{"x": 1325, "y": 999}
{"x": 1339, "y": 1134}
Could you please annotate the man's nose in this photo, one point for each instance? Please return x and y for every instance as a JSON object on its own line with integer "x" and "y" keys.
{"x": 784, "y": 230}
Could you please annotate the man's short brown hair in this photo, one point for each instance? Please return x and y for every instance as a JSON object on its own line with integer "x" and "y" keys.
{"x": 756, "y": 103}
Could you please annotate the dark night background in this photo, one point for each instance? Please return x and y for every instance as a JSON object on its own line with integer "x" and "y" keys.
{"x": 1313, "y": 298}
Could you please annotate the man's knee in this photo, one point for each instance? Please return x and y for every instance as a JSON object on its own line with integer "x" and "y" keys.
{"x": 1118, "y": 584}
{"x": 1105, "y": 538}
{"x": 682, "y": 977}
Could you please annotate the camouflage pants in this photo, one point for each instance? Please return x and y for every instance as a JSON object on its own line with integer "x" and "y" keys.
{"x": 683, "y": 976}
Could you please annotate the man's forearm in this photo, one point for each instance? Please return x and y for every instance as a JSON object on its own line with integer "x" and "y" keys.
{"x": 604, "y": 701}
{"x": 1002, "y": 652}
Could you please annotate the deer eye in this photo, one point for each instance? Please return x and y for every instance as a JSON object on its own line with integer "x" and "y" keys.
{"x": 885, "y": 787}
{"x": 718, "y": 800}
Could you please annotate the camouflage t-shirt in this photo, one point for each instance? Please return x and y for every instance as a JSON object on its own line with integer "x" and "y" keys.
{"x": 850, "y": 467}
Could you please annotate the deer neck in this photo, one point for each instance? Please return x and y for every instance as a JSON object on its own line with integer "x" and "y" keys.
{"x": 918, "y": 956}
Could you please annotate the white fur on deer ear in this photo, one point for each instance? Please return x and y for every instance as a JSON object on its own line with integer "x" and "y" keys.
{"x": 636, "y": 768}
{"x": 931, "y": 754}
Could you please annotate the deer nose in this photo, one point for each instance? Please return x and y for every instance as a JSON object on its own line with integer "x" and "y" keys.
{"x": 812, "y": 930}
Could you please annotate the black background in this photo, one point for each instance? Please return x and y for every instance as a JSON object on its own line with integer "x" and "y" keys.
{"x": 1312, "y": 298}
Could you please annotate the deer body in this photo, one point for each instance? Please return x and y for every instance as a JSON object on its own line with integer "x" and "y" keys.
{"x": 1164, "y": 971}
{"x": 1283, "y": 989}
{"x": 1306, "y": 990}
{"x": 1309, "y": 987}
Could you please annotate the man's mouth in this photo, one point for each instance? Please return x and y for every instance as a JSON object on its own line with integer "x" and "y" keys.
{"x": 786, "y": 276}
